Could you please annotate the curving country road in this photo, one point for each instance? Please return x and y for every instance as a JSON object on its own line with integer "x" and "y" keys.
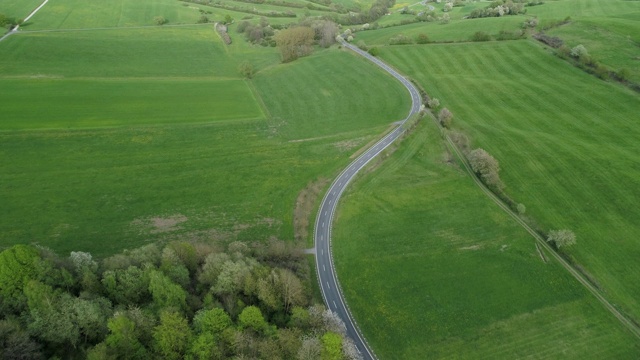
{"x": 331, "y": 291}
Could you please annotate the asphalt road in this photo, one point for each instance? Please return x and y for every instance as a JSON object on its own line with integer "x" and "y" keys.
{"x": 329, "y": 285}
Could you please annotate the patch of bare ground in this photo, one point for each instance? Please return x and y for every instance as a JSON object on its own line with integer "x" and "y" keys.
{"x": 472, "y": 247}
{"x": 304, "y": 206}
{"x": 347, "y": 145}
{"x": 159, "y": 225}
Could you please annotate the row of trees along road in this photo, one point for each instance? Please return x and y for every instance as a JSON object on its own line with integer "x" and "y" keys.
{"x": 184, "y": 300}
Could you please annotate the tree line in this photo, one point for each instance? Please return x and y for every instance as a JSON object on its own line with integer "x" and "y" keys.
{"x": 181, "y": 301}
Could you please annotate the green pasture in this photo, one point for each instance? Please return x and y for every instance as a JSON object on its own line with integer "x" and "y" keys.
{"x": 62, "y": 103}
{"x": 613, "y": 42}
{"x": 566, "y": 142}
{"x": 432, "y": 269}
{"x": 18, "y": 9}
{"x": 455, "y": 31}
{"x": 77, "y": 14}
{"x": 114, "y": 138}
{"x": 320, "y": 95}
{"x": 104, "y": 190}
{"x": 155, "y": 52}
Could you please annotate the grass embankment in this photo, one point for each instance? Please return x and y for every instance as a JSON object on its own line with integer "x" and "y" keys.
{"x": 431, "y": 269}
{"x": 565, "y": 147}
{"x": 114, "y": 138}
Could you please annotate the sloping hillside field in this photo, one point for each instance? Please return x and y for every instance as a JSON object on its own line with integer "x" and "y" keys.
{"x": 416, "y": 244}
{"x": 114, "y": 137}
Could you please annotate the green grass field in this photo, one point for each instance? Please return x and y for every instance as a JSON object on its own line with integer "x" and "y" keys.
{"x": 319, "y": 96}
{"x": 566, "y": 148}
{"x": 18, "y": 9}
{"x": 113, "y": 138}
{"x": 432, "y": 269}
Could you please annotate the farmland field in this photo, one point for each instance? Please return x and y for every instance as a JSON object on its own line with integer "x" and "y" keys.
{"x": 549, "y": 137}
{"x": 431, "y": 269}
{"x": 116, "y": 137}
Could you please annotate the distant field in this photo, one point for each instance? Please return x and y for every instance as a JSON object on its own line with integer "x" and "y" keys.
{"x": 154, "y": 52}
{"x": 458, "y": 31}
{"x": 431, "y": 269}
{"x": 320, "y": 95}
{"x": 76, "y": 14}
{"x": 567, "y": 148}
{"x": 18, "y": 9}
{"x": 39, "y": 104}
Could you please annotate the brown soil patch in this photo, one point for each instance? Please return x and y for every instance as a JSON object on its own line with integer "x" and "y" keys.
{"x": 347, "y": 145}
{"x": 304, "y": 206}
{"x": 159, "y": 225}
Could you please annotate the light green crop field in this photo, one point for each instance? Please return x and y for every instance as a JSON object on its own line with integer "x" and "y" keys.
{"x": 457, "y": 31}
{"x": 195, "y": 51}
{"x": 321, "y": 95}
{"x": 566, "y": 142}
{"x": 432, "y": 269}
{"x": 40, "y": 104}
{"x": 76, "y": 14}
{"x": 18, "y": 9}
{"x": 113, "y": 138}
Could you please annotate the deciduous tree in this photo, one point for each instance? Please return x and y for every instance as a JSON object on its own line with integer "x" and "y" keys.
{"x": 295, "y": 42}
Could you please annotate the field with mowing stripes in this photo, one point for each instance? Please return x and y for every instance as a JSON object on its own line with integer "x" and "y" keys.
{"x": 567, "y": 149}
{"x": 115, "y": 137}
{"x": 431, "y": 269}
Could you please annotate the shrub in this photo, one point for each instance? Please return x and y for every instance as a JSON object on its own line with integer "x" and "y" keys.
{"x": 203, "y": 19}
{"x": 433, "y": 103}
{"x": 160, "y": 20}
{"x": 422, "y": 39}
{"x": 623, "y": 74}
{"x": 246, "y": 69}
{"x": 400, "y": 39}
{"x": 374, "y": 51}
{"x": 487, "y": 167}
{"x": 480, "y": 36}
{"x": 579, "y": 52}
{"x": 561, "y": 238}
{"x": 445, "y": 117}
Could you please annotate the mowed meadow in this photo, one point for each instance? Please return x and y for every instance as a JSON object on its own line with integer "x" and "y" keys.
{"x": 112, "y": 138}
{"x": 411, "y": 242}
{"x": 431, "y": 269}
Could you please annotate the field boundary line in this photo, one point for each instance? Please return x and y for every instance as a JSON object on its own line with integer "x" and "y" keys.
{"x": 113, "y": 28}
{"x": 628, "y": 323}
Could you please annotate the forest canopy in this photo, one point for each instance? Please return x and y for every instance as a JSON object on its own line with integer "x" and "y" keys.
{"x": 183, "y": 300}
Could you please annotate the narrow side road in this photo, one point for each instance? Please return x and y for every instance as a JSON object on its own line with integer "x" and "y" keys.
{"x": 331, "y": 291}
